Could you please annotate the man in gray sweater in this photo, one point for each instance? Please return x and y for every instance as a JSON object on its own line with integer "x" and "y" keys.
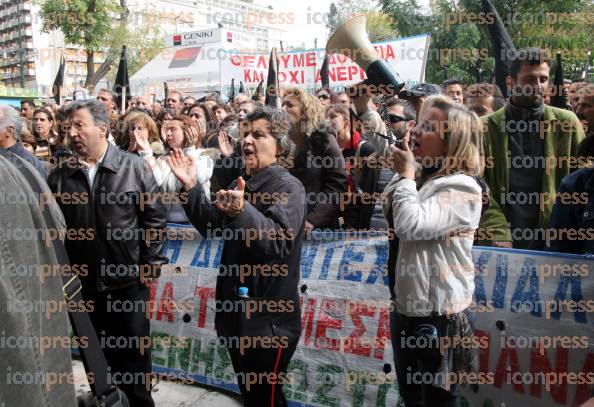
{"x": 35, "y": 361}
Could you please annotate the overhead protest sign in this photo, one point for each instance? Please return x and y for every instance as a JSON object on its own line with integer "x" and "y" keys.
{"x": 534, "y": 318}
{"x": 407, "y": 56}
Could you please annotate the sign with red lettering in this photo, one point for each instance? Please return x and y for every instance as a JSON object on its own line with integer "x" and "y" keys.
{"x": 534, "y": 324}
{"x": 407, "y": 56}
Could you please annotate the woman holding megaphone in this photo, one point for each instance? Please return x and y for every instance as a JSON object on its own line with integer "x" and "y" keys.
{"x": 261, "y": 217}
{"x": 435, "y": 220}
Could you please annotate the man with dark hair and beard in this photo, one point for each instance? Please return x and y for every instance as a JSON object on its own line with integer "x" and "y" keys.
{"x": 528, "y": 147}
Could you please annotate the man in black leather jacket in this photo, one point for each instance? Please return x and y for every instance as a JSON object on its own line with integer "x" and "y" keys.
{"x": 115, "y": 230}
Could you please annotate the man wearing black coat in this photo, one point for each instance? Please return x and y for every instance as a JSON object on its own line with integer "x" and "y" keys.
{"x": 115, "y": 223}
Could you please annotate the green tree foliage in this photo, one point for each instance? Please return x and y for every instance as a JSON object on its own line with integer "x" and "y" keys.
{"x": 142, "y": 45}
{"x": 86, "y": 23}
{"x": 101, "y": 26}
{"x": 333, "y": 18}
{"x": 83, "y": 22}
{"x": 460, "y": 43}
{"x": 380, "y": 26}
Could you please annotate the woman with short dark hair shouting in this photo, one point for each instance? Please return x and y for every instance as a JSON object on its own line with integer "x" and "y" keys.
{"x": 262, "y": 221}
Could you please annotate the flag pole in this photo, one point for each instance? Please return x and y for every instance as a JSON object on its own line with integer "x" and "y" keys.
{"x": 123, "y": 100}
{"x": 315, "y": 62}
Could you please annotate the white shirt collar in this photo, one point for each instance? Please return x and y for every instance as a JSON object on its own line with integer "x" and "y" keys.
{"x": 89, "y": 166}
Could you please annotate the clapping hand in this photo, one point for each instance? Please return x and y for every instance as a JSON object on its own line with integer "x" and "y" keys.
{"x": 142, "y": 141}
{"x": 224, "y": 144}
{"x": 231, "y": 202}
{"x": 183, "y": 168}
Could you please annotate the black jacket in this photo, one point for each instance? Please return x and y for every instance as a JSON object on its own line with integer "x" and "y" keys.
{"x": 279, "y": 224}
{"x": 319, "y": 165}
{"x": 113, "y": 221}
{"x": 360, "y": 210}
{"x": 575, "y": 214}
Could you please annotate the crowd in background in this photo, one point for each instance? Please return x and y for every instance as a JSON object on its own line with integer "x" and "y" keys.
{"x": 338, "y": 140}
{"x": 441, "y": 167}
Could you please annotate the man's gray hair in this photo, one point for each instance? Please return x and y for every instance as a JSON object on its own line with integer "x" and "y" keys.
{"x": 280, "y": 126}
{"x": 94, "y": 107}
{"x": 9, "y": 117}
{"x": 109, "y": 92}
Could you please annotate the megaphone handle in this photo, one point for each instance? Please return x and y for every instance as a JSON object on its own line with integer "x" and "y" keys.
{"x": 386, "y": 118}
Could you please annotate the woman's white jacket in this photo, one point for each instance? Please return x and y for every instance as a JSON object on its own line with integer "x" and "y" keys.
{"x": 203, "y": 164}
{"x": 436, "y": 225}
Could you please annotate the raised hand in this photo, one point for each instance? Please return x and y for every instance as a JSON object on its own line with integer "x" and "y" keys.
{"x": 132, "y": 144}
{"x": 224, "y": 144}
{"x": 183, "y": 168}
{"x": 142, "y": 141}
{"x": 195, "y": 131}
{"x": 231, "y": 201}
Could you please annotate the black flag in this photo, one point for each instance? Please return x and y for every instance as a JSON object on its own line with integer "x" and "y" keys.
{"x": 272, "y": 96}
{"x": 241, "y": 89}
{"x": 122, "y": 83}
{"x": 558, "y": 99}
{"x": 59, "y": 81}
{"x": 503, "y": 47}
{"x": 258, "y": 91}
{"x": 232, "y": 90}
{"x": 324, "y": 73}
{"x": 166, "y": 91}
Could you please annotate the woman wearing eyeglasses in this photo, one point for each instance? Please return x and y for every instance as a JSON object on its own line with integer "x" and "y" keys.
{"x": 435, "y": 222}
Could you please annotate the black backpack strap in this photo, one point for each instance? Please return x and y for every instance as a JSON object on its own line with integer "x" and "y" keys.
{"x": 484, "y": 193}
{"x": 92, "y": 355}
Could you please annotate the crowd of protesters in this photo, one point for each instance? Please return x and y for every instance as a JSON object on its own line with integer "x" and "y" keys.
{"x": 474, "y": 168}
{"x": 337, "y": 135}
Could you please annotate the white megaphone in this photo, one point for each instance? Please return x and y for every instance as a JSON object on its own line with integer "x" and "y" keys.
{"x": 351, "y": 40}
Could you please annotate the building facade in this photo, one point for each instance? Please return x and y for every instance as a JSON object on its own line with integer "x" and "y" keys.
{"x": 31, "y": 58}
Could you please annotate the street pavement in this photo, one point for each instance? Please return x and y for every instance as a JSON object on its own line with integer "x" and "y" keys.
{"x": 171, "y": 394}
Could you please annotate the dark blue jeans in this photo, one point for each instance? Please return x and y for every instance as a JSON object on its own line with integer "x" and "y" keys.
{"x": 416, "y": 362}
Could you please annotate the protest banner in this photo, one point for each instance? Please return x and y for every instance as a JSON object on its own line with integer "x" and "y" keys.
{"x": 407, "y": 56}
{"x": 534, "y": 321}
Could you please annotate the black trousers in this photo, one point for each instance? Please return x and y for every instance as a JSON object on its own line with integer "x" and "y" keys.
{"x": 415, "y": 364}
{"x": 121, "y": 323}
{"x": 256, "y": 371}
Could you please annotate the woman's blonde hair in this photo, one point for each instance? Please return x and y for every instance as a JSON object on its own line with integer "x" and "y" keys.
{"x": 313, "y": 110}
{"x": 463, "y": 132}
{"x": 138, "y": 117}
